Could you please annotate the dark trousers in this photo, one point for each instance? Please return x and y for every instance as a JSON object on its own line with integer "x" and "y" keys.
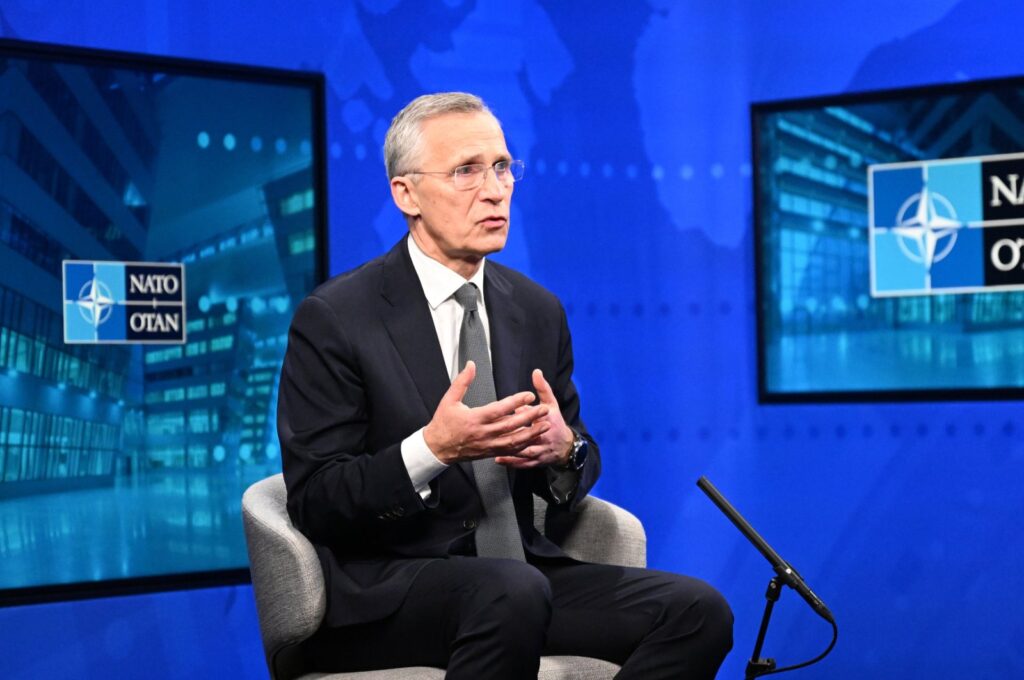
{"x": 494, "y": 618}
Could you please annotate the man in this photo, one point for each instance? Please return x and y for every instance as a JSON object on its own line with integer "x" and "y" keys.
{"x": 425, "y": 397}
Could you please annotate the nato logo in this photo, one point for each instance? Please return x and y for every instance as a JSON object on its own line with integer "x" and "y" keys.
{"x": 946, "y": 226}
{"x": 124, "y": 302}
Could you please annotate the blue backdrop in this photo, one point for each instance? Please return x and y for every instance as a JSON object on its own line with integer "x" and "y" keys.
{"x": 633, "y": 120}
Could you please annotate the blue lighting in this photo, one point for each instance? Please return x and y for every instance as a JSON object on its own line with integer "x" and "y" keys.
{"x": 203, "y": 139}
{"x": 280, "y": 145}
{"x": 229, "y": 142}
{"x": 256, "y": 144}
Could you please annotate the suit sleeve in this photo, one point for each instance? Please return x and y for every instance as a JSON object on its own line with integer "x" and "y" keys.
{"x": 337, "y": 489}
{"x": 562, "y": 487}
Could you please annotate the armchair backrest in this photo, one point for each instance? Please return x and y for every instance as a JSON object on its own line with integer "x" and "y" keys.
{"x": 286, "y": 576}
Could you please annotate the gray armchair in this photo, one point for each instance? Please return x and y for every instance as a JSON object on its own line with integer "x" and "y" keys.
{"x": 289, "y": 586}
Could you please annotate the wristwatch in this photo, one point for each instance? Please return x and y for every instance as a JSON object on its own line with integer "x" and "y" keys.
{"x": 578, "y": 452}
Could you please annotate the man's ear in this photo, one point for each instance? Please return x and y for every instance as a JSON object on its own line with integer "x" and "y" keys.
{"x": 403, "y": 193}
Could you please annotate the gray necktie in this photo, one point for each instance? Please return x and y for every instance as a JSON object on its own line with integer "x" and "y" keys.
{"x": 498, "y": 534}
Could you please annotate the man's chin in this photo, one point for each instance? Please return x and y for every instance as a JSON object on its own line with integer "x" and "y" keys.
{"x": 492, "y": 243}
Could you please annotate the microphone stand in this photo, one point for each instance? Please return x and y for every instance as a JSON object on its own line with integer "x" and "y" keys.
{"x": 758, "y": 666}
{"x": 784, "y": 575}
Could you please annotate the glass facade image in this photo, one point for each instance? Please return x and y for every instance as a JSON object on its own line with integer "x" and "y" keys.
{"x": 124, "y": 461}
{"x": 821, "y": 329}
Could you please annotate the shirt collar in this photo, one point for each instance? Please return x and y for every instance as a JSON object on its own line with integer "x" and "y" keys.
{"x": 440, "y": 283}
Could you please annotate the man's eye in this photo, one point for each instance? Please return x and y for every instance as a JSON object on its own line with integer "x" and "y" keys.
{"x": 468, "y": 170}
{"x": 501, "y": 166}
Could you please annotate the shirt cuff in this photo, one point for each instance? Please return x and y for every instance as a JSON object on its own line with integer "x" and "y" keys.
{"x": 421, "y": 463}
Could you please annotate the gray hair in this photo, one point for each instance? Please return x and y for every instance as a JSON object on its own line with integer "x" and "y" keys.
{"x": 401, "y": 143}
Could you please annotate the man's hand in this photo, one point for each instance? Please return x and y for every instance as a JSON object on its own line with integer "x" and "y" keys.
{"x": 552, "y": 446}
{"x": 502, "y": 428}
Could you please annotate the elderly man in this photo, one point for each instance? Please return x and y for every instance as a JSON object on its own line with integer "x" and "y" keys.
{"x": 425, "y": 397}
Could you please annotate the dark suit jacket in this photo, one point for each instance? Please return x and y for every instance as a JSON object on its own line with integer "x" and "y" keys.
{"x": 363, "y": 371}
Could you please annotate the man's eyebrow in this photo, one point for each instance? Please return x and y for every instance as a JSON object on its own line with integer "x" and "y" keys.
{"x": 479, "y": 158}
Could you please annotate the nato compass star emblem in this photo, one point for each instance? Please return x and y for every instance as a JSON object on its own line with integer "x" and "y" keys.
{"x": 927, "y": 227}
{"x": 95, "y": 302}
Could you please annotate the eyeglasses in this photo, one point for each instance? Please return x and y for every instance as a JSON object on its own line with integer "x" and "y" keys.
{"x": 471, "y": 176}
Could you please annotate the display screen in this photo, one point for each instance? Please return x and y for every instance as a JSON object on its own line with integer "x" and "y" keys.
{"x": 159, "y": 221}
{"x": 889, "y": 230}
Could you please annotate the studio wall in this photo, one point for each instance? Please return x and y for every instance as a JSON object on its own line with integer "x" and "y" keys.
{"x": 636, "y": 210}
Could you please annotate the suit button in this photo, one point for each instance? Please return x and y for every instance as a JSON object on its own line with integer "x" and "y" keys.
{"x": 469, "y": 524}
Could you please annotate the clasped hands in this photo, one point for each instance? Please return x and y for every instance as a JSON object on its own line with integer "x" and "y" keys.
{"x": 514, "y": 431}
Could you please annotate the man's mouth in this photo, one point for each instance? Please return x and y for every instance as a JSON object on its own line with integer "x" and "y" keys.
{"x": 493, "y": 222}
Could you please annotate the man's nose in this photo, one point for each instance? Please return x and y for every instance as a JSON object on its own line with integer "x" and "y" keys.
{"x": 493, "y": 188}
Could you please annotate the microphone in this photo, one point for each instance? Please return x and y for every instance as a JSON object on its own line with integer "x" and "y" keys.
{"x": 787, "y": 573}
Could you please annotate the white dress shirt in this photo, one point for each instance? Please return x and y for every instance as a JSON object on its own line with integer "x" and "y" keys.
{"x": 439, "y": 285}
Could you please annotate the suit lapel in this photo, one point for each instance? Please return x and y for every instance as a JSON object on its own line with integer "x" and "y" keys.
{"x": 506, "y": 320}
{"x": 407, "y": 318}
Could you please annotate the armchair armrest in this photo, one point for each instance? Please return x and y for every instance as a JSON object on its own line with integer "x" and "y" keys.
{"x": 601, "y": 532}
